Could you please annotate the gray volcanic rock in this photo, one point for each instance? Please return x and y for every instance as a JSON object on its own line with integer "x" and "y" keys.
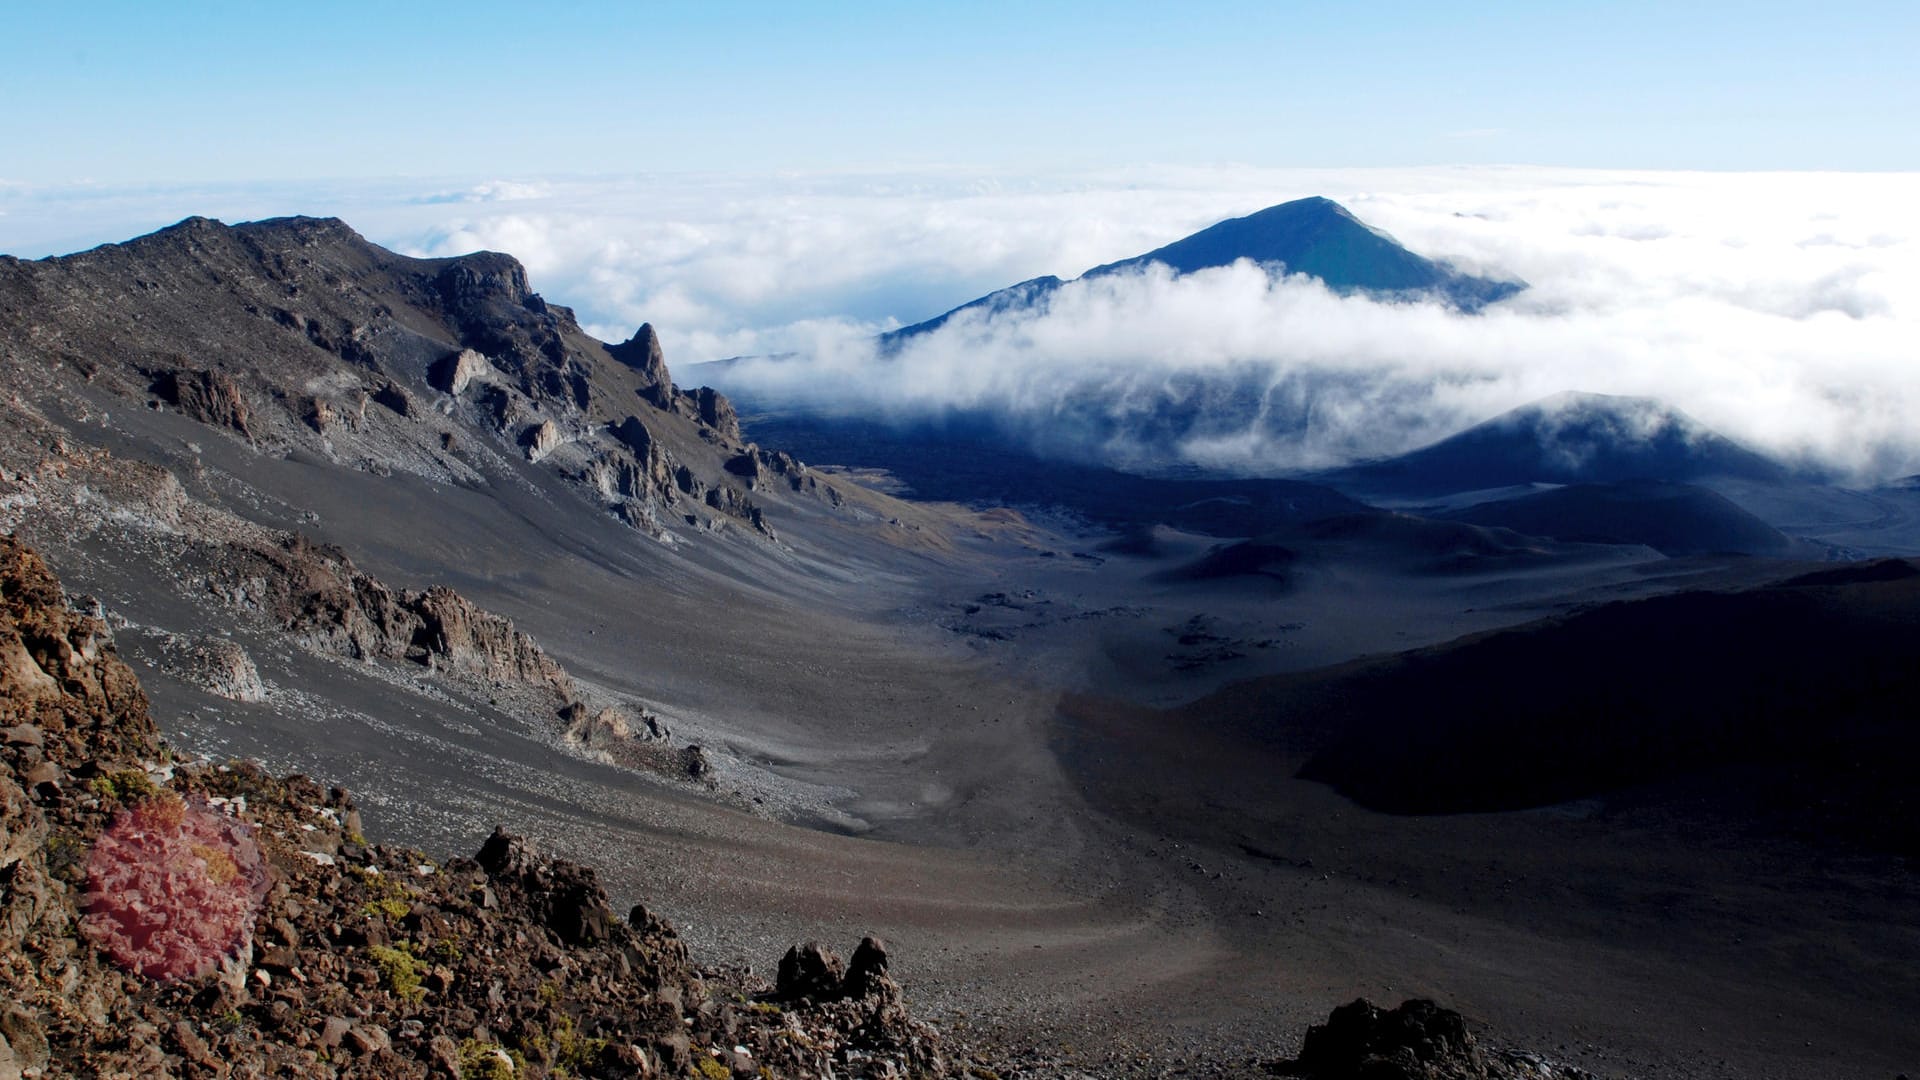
{"x": 635, "y": 435}
{"x": 222, "y": 667}
{"x": 642, "y": 352}
{"x": 201, "y": 921}
{"x": 540, "y": 440}
{"x": 278, "y": 330}
{"x": 455, "y": 633}
{"x": 316, "y": 592}
{"x": 717, "y": 413}
{"x": 455, "y": 372}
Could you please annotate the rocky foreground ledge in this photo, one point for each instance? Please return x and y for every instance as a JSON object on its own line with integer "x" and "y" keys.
{"x": 165, "y": 919}
{"x": 161, "y": 918}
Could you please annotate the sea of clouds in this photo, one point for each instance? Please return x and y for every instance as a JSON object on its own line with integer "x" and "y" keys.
{"x": 1780, "y": 309}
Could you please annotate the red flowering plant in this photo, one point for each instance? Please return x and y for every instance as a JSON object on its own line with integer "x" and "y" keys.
{"x": 173, "y": 888}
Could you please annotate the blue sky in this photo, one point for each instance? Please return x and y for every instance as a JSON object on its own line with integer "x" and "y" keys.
{"x": 1714, "y": 202}
{"x": 128, "y": 93}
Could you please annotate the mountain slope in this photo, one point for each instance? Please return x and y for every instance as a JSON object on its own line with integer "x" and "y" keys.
{"x": 1322, "y": 239}
{"x": 281, "y": 447}
{"x": 1673, "y": 519}
{"x": 1565, "y": 439}
{"x": 1313, "y": 236}
{"x": 299, "y": 337}
{"x": 1806, "y": 680}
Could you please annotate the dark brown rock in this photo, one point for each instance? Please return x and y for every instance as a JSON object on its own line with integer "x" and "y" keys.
{"x": 1417, "y": 1041}
{"x": 642, "y": 353}
{"x": 696, "y": 763}
{"x": 717, "y": 413}
{"x": 809, "y": 970}
{"x": 210, "y": 397}
{"x": 867, "y": 971}
{"x": 395, "y": 399}
{"x": 635, "y": 435}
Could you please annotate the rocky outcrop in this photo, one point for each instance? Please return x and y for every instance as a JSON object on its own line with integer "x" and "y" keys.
{"x": 642, "y": 353}
{"x": 716, "y": 412}
{"x": 209, "y": 397}
{"x": 316, "y": 592}
{"x": 66, "y": 699}
{"x": 453, "y": 633}
{"x": 391, "y": 395}
{"x": 635, "y": 436}
{"x": 219, "y": 666}
{"x": 197, "y": 921}
{"x": 286, "y": 331}
{"x": 320, "y": 415}
{"x": 809, "y": 971}
{"x": 455, "y": 372}
{"x": 540, "y": 440}
{"x": 1417, "y": 1041}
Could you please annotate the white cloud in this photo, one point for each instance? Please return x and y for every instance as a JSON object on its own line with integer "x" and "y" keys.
{"x": 1779, "y": 308}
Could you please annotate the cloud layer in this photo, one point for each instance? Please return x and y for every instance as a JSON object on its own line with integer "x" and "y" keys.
{"x": 1778, "y": 308}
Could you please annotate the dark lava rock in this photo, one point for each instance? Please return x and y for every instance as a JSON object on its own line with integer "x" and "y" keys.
{"x": 696, "y": 762}
{"x": 867, "y": 971}
{"x": 392, "y": 397}
{"x": 812, "y": 971}
{"x": 209, "y": 397}
{"x": 1416, "y": 1040}
{"x": 642, "y": 352}
{"x": 717, "y": 412}
{"x": 635, "y": 435}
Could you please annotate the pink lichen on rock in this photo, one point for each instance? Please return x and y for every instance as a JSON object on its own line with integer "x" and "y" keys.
{"x": 173, "y": 888}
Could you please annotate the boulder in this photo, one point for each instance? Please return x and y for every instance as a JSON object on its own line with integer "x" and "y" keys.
{"x": 809, "y": 971}
{"x": 745, "y": 465}
{"x": 540, "y": 439}
{"x": 867, "y": 972}
{"x": 392, "y": 397}
{"x": 320, "y": 415}
{"x": 1417, "y": 1041}
{"x": 635, "y": 435}
{"x": 221, "y": 667}
{"x": 453, "y": 372}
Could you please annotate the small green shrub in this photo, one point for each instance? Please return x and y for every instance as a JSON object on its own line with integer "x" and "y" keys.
{"x": 489, "y": 1061}
{"x": 399, "y": 971}
{"x": 125, "y": 784}
{"x": 572, "y": 1050}
{"x": 387, "y": 906}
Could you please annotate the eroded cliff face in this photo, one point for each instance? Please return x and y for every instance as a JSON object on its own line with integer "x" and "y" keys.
{"x": 167, "y": 918}
{"x": 298, "y": 336}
